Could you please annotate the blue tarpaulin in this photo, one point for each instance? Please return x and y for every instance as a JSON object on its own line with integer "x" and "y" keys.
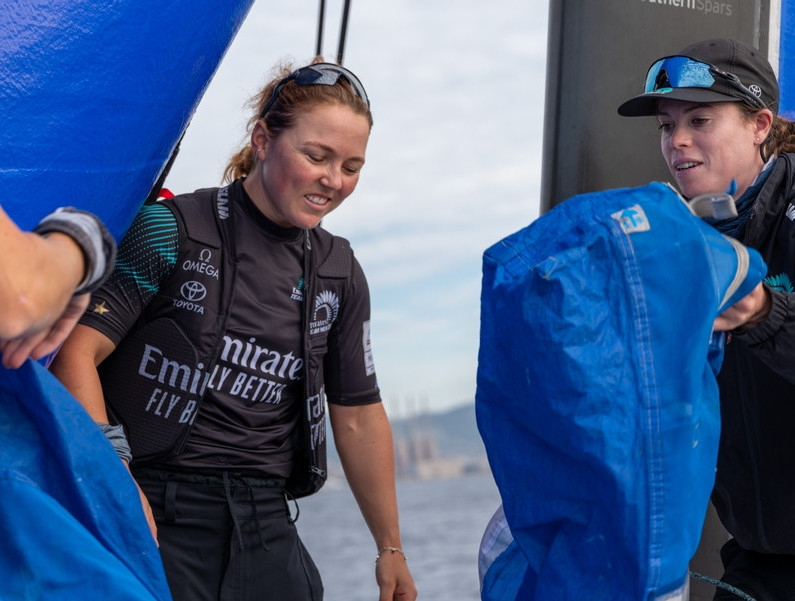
{"x": 71, "y": 523}
{"x": 95, "y": 96}
{"x": 596, "y": 393}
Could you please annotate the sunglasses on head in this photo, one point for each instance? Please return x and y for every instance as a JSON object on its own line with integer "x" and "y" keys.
{"x": 323, "y": 74}
{"x": 683, "y": 72}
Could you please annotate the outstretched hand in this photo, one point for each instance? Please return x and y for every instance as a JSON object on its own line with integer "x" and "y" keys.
{"x": 40, "y": 343}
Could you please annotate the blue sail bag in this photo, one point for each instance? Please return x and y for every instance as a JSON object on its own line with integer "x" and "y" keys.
{"x": 596, "y": 393}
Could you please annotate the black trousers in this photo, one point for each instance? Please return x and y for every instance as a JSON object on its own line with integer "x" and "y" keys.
{"x": 761, "y": 576}
{"x": 228, "y": 538}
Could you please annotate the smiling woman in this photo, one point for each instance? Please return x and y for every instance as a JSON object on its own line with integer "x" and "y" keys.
{"x": 235, "y": 317}
{"x": 304, "y": 164}
{"x": 446, "y": 173}
{"x": 304, "y": 173}
{"x": 706, "y": 146}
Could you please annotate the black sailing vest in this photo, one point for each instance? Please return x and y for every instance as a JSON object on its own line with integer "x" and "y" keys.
{"x": 155, "y": 379}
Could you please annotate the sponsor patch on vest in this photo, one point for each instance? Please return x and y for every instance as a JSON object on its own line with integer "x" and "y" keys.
{"x": 327, "y": 306}
{"x": 315, "y": 412}
{"x": 222, "y": 203}
{"x": 203, "y": 265}
{"x": 369, "y": 363}
{"x": 298, "y": 291}
{"x": 192, "y": 292}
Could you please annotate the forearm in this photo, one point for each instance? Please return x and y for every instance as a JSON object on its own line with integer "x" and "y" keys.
{"x": 364, "y": 442}
{"x": 76, "y": 367}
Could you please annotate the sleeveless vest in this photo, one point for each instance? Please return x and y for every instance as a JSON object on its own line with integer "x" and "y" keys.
{"x": 156, "y": 378}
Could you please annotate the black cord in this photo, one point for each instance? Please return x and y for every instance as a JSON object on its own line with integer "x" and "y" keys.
{"x": 343, "y": 30}
{"x": 320, "y": 19}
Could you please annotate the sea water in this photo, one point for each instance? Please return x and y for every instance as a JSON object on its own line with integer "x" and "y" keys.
{"x": 442, "y": 522}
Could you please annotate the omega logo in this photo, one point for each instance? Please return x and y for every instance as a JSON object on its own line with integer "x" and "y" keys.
{"x": 203, "y": 265}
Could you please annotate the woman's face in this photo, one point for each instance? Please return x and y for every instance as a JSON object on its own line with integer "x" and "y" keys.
{"x": 306, "y": 172}
{"x": 708, "y": 145}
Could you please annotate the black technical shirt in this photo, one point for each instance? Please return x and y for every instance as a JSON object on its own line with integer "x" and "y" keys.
{"x": 252, "y": 400}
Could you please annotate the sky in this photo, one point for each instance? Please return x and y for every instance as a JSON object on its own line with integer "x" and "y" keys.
{"x": 453, "y": 162}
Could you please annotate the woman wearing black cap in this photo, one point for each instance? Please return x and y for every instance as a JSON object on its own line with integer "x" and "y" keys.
{"x": 716, "y": 102}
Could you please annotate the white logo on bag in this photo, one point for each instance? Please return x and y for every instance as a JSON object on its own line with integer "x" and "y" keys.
{"x": 632, "y": 219}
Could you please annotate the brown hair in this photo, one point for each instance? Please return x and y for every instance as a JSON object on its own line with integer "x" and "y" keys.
{"x": 781, "y": 137}
{"x": 292, "y": 99}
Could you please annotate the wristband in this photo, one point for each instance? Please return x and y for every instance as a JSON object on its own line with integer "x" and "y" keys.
{"x": 115, "y": 435}
{"x": 93, "y": 238}
{"x": 392, "y": 550}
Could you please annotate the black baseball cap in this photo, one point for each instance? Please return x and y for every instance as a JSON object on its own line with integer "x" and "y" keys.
{"x": 717, "y": 70}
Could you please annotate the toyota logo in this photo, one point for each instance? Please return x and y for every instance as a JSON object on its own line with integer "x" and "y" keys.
{"x": 193, "y": 291}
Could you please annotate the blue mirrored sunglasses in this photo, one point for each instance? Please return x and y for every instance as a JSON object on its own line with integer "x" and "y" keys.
{"x": 324, "y": 74}
{"x": 683, "y": 72}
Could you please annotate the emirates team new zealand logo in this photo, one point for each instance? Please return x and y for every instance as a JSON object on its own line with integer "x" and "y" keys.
{"x": 327, "y": 306}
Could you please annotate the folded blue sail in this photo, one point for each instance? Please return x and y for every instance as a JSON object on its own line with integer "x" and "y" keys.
{"x": 71, "y": 523}
{"x": 596, "y": 394}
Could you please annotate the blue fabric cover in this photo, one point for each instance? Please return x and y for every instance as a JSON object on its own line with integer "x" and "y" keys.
{"x": 95, "y": 95}
{"x": 71, "y": 523}
{"x": 786, "y": 60}
{"x": 596, "y": 393}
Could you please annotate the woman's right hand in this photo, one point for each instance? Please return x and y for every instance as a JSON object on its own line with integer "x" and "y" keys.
{"x": 43, "y": 342}
{"x": 749, "y": 311}
{"x": 150, "y": 518}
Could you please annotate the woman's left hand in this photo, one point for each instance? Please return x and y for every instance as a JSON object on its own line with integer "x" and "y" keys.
{"x": 393, "y": 578}
{"x": 749, "y": 311}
